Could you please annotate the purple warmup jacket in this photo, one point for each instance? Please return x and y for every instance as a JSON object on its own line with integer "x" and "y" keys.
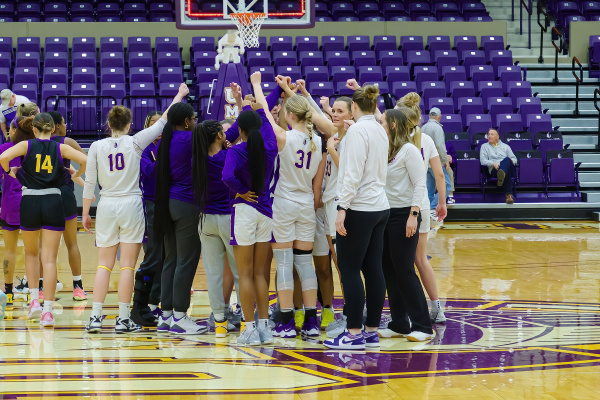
{"x": 11, "y": 192}
{"x": 148, "y": 171}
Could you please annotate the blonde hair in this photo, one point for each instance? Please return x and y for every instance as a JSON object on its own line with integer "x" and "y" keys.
{"x": 399, "y": 126}
{"x": 28, "y": 109}
{"x": 366, "y": 98}
{"x": 414, "y": 119}
{"x": 300, "y": 107}
{"x": 412, "y": 101}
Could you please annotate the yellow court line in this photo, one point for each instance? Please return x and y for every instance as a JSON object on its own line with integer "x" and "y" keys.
{"x": 491, "y": 304}
{"x": 580, "y": 353}
{"x": 256, "y": 353}
{"x": 586, "y": 347}
{"x": 557, "y": 310}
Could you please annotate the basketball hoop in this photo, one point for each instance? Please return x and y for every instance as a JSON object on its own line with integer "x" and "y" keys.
{"x": 248, "y": 25}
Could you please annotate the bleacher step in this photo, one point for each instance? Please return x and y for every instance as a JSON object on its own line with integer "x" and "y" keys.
{"x": 588, "y": 160}
{"x": 581, "y": 142}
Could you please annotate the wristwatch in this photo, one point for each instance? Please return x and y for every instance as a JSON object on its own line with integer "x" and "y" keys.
{"x": 341, "y": 208}
{"x": 414, "y": 213}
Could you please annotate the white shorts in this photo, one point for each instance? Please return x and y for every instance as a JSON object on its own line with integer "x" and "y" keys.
{"x": 248, "y": 226}
{"x": 120, "y": 220}
{"x": 425, "y": 226}
{"x": 330, "y": 216}
{"x": 321, "y": 245}
{"x": 293, "y": 221}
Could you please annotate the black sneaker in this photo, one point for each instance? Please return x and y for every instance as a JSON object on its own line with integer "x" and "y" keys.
{"x": 95, "y": 325}
{"x": 22, "y": 287}
{"x": 142, "y": 315}
{"x": 126, "y": 326}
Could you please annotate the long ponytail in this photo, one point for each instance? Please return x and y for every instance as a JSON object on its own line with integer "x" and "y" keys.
{"x": 250, "y": 122}
{"x": 162, "y": 217}
{"x": 300, "y": 107}
{"x": 203, "y": 135}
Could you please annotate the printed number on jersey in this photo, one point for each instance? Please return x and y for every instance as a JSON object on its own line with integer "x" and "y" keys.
{"x": 301, "y": 156}
{"x": 328, "y": 168}
{"x": 117, "y": 161}
{"x": 46, "y": 165}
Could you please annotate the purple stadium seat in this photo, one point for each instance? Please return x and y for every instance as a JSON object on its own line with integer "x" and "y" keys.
{"x": 368, "y": 8}
{"x": 447, "y": 18}
{"x": 509, "y": 73}
{"x": 498, "y": 105}
{"x": 410, "y": 43}
{"x": 160, "y": 9}
{"x": 363, "y": 58}
{"x": 84, "y": 45}
{"x": 420, "y": 9}
{"x": 499, "y": 58}
{"x": 452, "y": 74}
{"x": 469, "y": 105}
{"x": 139, "y": 44}
{"x": 28, "y": 9}
{"x": 461, "y": 89}
{"x": 7, "y": 8}
{"x": 401, "y": 88}
{"x": 445, "y": 104}
{"x": 55, "y": 19}
{"x": 281, "y": 43}
{"x": 203, "y": 44}
{"x": 311, "y": 58}
{"x": 161, "y": 19}
{"x": 55, "y": 75}
{"x": 481, "y": 73}
{"x": 539, "y": 123}
{"x": 432, "y": 90}
{"x": 393, "y": 10}
{"x": 108, "y": 9}
{"x": 341, "y": 73}
{"x": 473, "y": 57}
{"x": 84, "y": 75}
{"x": 307, "y": 43}
{"x": 78, "y": 18}
{"x": 320, "y": 88}
{"x": 473, "y": 9}
{"x": 337, "y": 58}
{"x": 490, "y": 89}
{"x": 384, "y": 43}
{"x": 565, "y": 9}
{"x": 53, "y": 89}
{"x": 425, "y": 74}
{"x": 468, "y": 169}
{"x": 443, "y": 58}
{"x": 59, "y": 60}
{"x": 509, "y": 123}
{"x": 418, "y": 57}
{"x": 452, "y": 123}
{"x": 370, "y": 74}
{"x": 203, "y": 74}
{"x": 358, "y": 43}
{"x": 518, "y": 89}
{"x": 397, "y": 73}
{"x": 166, "y": 44}
{"x": 590, "y": 9}
{"x": 529, "y": 105}
{"x": 82, "y": 8}
{"x": 4, "y": 19}
{"x": 168, "y": 59}
{"x": 435, "y": 43}
{"x": 460, "y": 141}
{"x": 321, "y": 9}
{"x": 562, "y": 170}
{"x": 518, "y": 140}
{"x": 293, "y": 71}
{"x": 83, "y": 89}
{"x": 462, "y": 43}
{"x": 6, "y": 60}
{"x": 445, "y": 9}
{"x": 530, "y": 168}
{"x": 140, "y": 59}
{"x": 28, "y": 44}
{"x": 323, "y": 19}
{"x": 24, "y": 60}
{"x": 401, "y": 19}
{"x": 141, "y": 75}
{"x": 4, "y": 77}
{"x": 333, "y": 43}
{"x": 112, "y": 76}
{"x": 134, "y": 9}
{"x": 56, "y": 45}
{"x": 285, "y": 58}
{"x": 111, "y": 44}
{"x": 204, "y": 58}
{"x": 55, "y": 9}
{"x": 28, "y": 90}
{"x": 26, "y": 75}
{"x": 6, "y": 44}
{"x": 82, "y": 60}
{"x": 339, "y": 10}
{"x": 478, "y": 123}
{"x": 315, "y": 73}
{"x": 489, "y": 43}
{"x": 342, "y": 90}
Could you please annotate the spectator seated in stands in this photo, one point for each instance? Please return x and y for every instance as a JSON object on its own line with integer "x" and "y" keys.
{"x": 500, "y": 161}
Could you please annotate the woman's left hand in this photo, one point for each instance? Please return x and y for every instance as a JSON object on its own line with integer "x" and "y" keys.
{"x": 339, "y": 223}
{"x": 411, "y": 226}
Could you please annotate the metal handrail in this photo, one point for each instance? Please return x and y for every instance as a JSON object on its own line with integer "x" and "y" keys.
{"x": 97, "y": 103}
{"x": 578, "y": 80}
{"x": 558, "y": 49}
{"x": 596, "y": 98}
{"x": 529, "y": 8}
{"x": 544, "y": 28}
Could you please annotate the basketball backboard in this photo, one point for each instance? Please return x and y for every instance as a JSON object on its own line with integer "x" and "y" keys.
{"x": 200, "y": 14}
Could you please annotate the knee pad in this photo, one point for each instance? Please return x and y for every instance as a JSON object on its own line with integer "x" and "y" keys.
{"x": 285, "y": 268}
{"x": 306, "y": 271}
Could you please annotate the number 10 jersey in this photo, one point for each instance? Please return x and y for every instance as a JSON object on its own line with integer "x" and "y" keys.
{"x": 296, "y": 167}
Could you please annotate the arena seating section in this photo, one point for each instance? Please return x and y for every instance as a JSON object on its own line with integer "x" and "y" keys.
{"x": 477, "y": 86}
{"x": 162, "y": 10}
{"x": 565, "y": 12}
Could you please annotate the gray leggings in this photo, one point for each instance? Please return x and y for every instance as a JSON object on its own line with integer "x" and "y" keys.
{"x": 215, "y": 234}
{"x": 182, "y": 254}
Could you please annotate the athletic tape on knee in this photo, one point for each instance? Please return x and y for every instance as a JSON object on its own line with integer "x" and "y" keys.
{"x": 122, "y": 268}
{"x": 285, "y": 268}
{"x": 306, "y": 272}
{"x": 103, "y": 267}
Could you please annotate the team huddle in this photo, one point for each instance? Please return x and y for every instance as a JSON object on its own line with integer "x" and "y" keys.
{"x": 287, "y": 181}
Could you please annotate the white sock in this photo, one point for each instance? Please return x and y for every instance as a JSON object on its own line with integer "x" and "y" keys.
{"x": 251, "y": 325}
{"x": 35, "y": 294}
{"x": 48, "y": 306}
{"x": 219, "y": 317}
{"x": 167, "y": 314}
{"x": 263, "y": 323}
{"x": 124, "y": 310}
{"x": 179, "y": 314}
{"x": 435, "y": 304}
{"x": 77, "y": 278}
{"x": 96, "y": 309}
{"x": 152, "y": 307}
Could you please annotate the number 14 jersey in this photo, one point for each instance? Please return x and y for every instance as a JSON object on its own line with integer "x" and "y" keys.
{"x": 296, "y": 167}
{"x": 42, "y": 167}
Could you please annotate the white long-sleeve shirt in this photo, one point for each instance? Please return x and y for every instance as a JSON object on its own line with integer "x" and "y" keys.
{"x": 363, "y": 167}
{"x": 405, "y": 185}
{"x": 115, "y": 163}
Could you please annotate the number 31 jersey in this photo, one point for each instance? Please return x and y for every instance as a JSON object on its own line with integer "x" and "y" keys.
{"x": 296, "y": 167}
{"x": 117, "y": 164}
{"x": 42, "y": 167}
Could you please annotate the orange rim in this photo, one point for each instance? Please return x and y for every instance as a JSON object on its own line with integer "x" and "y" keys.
{"x": 246, "y": 18}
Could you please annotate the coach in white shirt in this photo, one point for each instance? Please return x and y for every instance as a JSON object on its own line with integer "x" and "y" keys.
{"x": 8, "y": 109}
{"x": 361, "y": 220}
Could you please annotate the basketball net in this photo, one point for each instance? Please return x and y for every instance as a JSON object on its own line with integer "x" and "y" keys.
{"x": 248, "y": 25}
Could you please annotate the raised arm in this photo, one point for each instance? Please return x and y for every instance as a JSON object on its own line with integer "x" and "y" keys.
{"x": 228, "y": 175}
{"x": 148, "y": 163}
{"x": 260, "y": 99}
{"x": 324, "y": 125}
{"x": 318, "y": 183}
{"x": 352, "y": 84}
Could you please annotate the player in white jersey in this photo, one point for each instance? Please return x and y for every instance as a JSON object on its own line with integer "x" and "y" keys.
{"x": 430, "y": 158}
{"x": 115, "y": 165}
{"x": 294, "y": 220}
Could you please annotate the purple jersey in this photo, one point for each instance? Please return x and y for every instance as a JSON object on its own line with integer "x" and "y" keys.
{"x": 148, "y": 171}
{"x": 180, "y": 156}
{"x": 11, "y": 192}
{"x": 236, "y": 173}
{"x": 217, "y": 196}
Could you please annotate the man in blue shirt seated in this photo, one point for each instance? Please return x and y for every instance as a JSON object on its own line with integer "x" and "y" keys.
{"x": 500, "y": 160}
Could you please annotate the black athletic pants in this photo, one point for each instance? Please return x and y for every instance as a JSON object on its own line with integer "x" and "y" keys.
{"x": 360, "y": 251}
{"x": 405, "y": 293}
{"x": 150, "y": 270}
{"x": 182, "y": 254}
